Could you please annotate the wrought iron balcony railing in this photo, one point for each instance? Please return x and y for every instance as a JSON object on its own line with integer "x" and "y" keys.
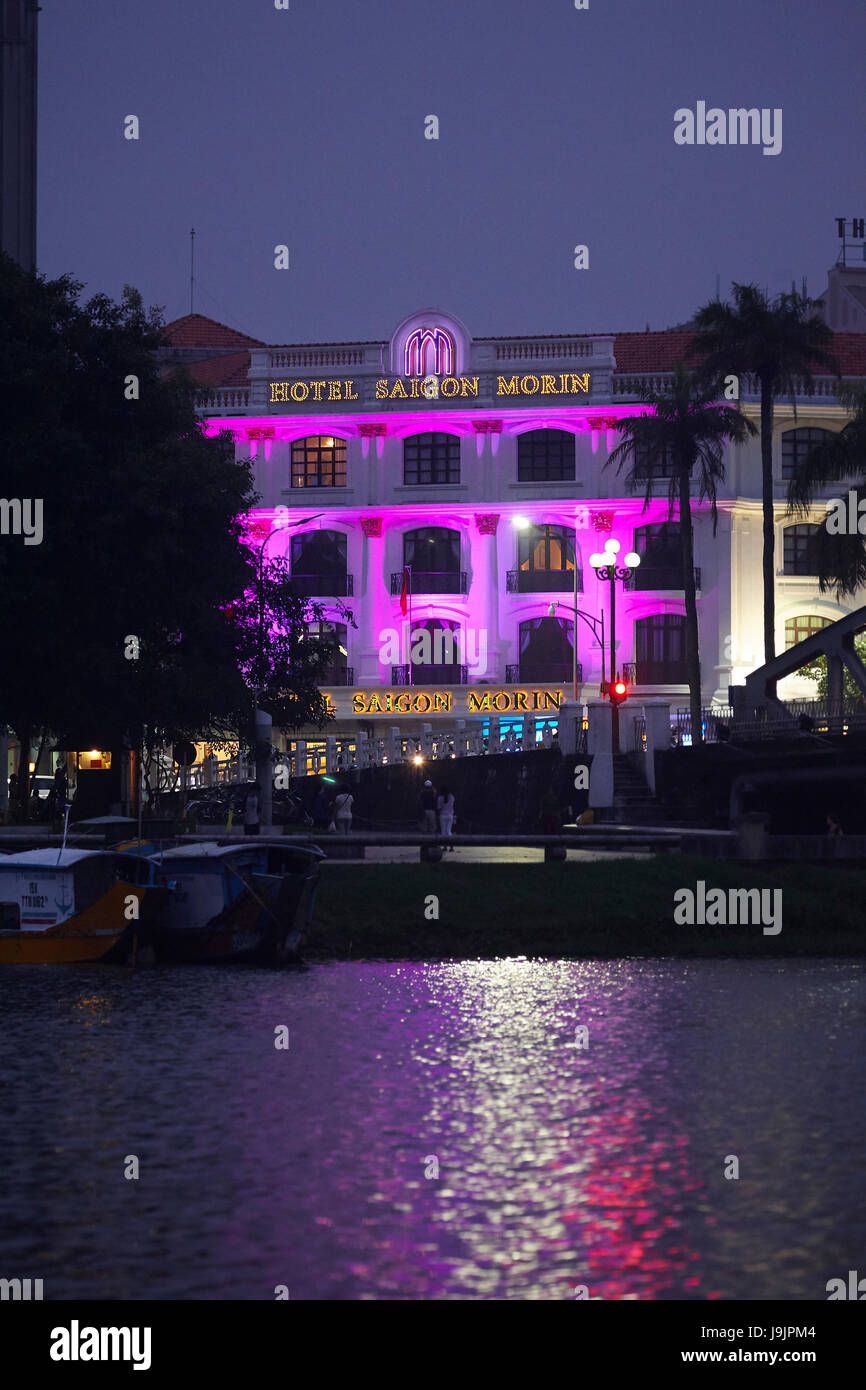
{"x": 337, "y": 675}
{"x": 648, "y": 576}
{"x": 656, "y": 672}
{"x": 432, "y": 582}
{"x": 515, "y": 674}
{"x": 324, "y": 585}
{"x": 543, "y": 581}
{"x": 548, "y": 673}
{"x": 430, "y": 675}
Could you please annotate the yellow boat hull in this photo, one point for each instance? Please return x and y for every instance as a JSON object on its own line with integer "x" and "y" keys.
{"x": 101, "y": 931}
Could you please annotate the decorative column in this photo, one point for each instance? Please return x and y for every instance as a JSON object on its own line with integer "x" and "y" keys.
{"x": 485, "y": 579}
{"x": 330, "y": 754}
{"x": 371, "y": 609}
{"x": 368, "y": 432}
{"x": 658, "y": 735}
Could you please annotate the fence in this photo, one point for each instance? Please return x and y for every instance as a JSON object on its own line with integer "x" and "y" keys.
{"x": 305, "y": 759}
{"x": 799, "y": 718}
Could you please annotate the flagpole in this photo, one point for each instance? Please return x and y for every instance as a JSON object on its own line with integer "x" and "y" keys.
{"x": 409, "y": 568}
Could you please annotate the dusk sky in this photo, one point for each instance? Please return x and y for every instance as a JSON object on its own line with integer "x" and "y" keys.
{"x": 306, "y": 127}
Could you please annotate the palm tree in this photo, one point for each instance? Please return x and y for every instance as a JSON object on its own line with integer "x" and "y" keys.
{"x": 840, "y": 559}
{"x": 688, "y": 431}
{"x": 779, "y": 343}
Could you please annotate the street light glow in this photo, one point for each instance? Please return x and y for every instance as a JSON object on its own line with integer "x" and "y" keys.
{"x": 521, "y": 522}
{"x": 613, "y": 546}
{"x": 632, "y": 559}
{"x": 596, "y": 561}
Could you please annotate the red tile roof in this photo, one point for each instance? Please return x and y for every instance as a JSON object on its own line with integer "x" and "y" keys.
{"x": 195, "y": 330}
{"x": 657, "y": 352}
{"x": 650, "y": 352}
{"x": 231, "y": 370}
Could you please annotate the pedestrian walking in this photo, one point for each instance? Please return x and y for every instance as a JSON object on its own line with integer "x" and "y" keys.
{"x": 343, "y": 810}
{"x": 427, "y": 808}
{"x": 445, "y": 807}
{"x": 251, "y": 810}
{"x": 322, "y": 809}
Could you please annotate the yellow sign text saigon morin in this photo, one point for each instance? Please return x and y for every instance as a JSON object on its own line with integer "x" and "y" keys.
{"x": 431, "y": 388}
{"x": 440, "y": 701}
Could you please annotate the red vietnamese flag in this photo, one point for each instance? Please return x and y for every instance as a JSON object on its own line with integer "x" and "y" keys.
{"x": 403, "y": 593}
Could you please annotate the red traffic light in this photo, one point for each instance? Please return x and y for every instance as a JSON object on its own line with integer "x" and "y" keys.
{"x": 618, "y": 692}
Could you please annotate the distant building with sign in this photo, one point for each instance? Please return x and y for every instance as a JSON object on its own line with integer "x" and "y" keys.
{"x": 417, "y": 455}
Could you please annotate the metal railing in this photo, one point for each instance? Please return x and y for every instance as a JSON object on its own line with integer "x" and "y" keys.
{"x": 446, "y": 674}
{"x": 661, "y": 577}
{"x": 526, "y": 675}
{"x": 432, "y": 582}
{"x": 324, "y": 585}
{"x": 542, "y": 581}
{"x": 800, "y": 718}
{"x": 339, "y": 675}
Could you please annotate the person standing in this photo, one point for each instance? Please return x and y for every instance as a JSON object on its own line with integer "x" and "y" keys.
{"x": 427, "y": 808}
{"x": 343, "y": 811}
{"x": 251, "y": 811}
{"x": 445, "y": 806}
{"x": 322, "y": 809}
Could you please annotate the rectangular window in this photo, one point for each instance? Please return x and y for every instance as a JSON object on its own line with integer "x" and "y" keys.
{"x": 319, "y": 461}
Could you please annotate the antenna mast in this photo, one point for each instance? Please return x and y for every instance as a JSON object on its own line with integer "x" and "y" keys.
{"x": 191, "y": 265}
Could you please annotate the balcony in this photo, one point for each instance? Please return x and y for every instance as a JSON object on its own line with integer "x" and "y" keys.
{"x": 337, "y": 675}
{"x": 656, "y": 672}
{"x": 648, "y": 576}
{"x": 529, "y": 673}
{"x": 432, "y": 582}
{"x": 543, "y": 581}
{"x": 430, "y": 675}
{"x": 324, "y": 585}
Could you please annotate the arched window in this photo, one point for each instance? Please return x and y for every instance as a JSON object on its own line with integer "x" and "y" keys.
{"x": 431, "y": 459}
{"x": 319, "y": 461}
{"x": 319, "y": 564}
{"x": 333, "y": 636}
{"x": 436, "y": 652}
{"x": 803, "y": 626}
{"x": 661, "y": 559}
{"x": 546, "y": 650}
{"x": 796, "y": 446}
{"x": 433, "y": 554}
{"x": 545, "y": 559}
{"x": 660, "y": 649}
{"x": 800, "y": 551}
{"x": 545, "y": 456}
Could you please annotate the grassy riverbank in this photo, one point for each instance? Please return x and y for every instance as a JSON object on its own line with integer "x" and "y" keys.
{"x": 624, "y": 908}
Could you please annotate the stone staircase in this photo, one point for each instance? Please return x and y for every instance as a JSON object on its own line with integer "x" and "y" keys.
{"x": 633, "y": 802}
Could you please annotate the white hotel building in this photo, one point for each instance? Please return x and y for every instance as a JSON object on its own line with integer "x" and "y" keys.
{"x": 421, "y": 453}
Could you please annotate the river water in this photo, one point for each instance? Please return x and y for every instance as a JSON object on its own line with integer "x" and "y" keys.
{"x": 435, "y": 1131}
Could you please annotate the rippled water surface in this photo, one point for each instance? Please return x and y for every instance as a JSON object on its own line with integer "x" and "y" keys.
{"x": 315, "y": 1167}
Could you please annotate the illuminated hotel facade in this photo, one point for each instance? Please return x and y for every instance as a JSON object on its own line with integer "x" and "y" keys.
{"x": 426, "y": 456}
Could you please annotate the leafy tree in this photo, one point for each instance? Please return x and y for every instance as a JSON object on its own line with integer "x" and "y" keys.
{"x": 690, "y": 430}
{"x": 840, "y": 559}
{"x": 780, "y": 343}
{"x": 817, "y": 671}
{"x": 144, "y": 525}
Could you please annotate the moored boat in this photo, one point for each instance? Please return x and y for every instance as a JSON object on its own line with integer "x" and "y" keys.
{"x": 73, "y": 905}
{"x": 245, "y": 903}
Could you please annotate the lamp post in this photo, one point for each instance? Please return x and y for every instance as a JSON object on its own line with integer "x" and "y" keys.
{"x": 522, "y": 523}
{"x": 606, "y": 568}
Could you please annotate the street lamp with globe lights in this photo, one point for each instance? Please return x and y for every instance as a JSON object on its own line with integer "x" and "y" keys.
{"x": 606, "y": 566}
